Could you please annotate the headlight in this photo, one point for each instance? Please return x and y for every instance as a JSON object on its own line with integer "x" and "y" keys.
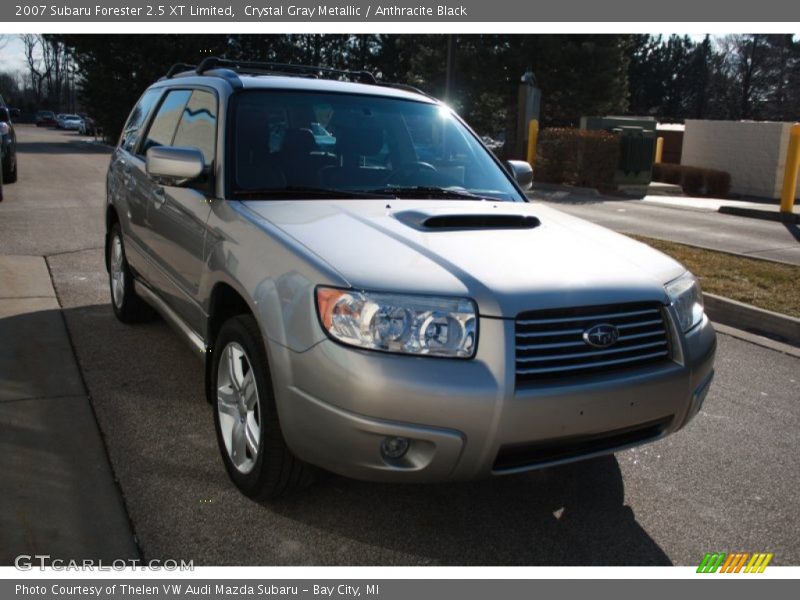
{"x": 422, "y": 325}
{"x": 687, "y": 298}
{"x": 4, "y": 129}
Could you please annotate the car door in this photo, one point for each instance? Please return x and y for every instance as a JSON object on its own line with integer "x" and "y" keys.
{"x": 125, "y": 174}
{"x": 177, "y": 215}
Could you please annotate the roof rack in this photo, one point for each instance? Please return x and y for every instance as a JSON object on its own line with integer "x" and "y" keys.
{"x": 272, "y": 68}
{"x": 178, "y": 68}
{"x": 405, "y": 87}
{"x": 240, "y": 66}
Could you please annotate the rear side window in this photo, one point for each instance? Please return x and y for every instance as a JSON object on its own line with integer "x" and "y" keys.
{"x": 198, "y": 125}
{"x": 162, "y": 129}
{"x": 130, "y": 133}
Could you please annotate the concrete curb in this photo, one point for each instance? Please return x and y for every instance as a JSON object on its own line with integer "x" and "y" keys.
{"x": 755, "y": 213}
{"x": 758, "y": 340}
{"x": 739, "y": 315}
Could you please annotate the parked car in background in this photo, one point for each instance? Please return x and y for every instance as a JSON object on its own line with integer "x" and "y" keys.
{"x": 69, "y": 122}
{"x": 88, "y": 126}
{"x": 377, "y": 315}
{"x": 45, "y": 118}
{"x": 8, "y": 139}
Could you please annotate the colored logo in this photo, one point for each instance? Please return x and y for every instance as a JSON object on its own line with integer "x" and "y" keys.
{"x": 601, "y": 336}
{"x": 735, "y": 562}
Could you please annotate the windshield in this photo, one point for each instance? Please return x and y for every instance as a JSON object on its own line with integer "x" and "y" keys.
{"x": 290, "y": 144}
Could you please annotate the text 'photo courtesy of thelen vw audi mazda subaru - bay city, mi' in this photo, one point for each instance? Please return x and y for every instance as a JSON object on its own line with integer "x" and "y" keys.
{"x": 371, "y": 293}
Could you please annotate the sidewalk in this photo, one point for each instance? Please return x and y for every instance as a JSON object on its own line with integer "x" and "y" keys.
{"x": 661, "y": 194}
{"x": 693, "y": 221}
{"x": 742, "y": 208}
{"x": 59, "y": 497}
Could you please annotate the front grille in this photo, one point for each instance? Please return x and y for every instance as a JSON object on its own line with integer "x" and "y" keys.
{"x": 550, "y": 343}
{"x": 518, "y": 456}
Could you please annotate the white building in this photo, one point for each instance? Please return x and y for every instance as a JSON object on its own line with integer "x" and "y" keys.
{"x": 753, "y": 152}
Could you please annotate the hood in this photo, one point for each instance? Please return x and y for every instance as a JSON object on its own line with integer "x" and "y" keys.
{"x": 508, "y": 257}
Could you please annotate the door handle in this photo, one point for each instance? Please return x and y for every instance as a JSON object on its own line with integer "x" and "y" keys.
{"x": 159, "y": 197}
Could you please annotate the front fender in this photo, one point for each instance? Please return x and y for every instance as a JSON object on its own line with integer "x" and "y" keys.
{"x": 275, "y": 275}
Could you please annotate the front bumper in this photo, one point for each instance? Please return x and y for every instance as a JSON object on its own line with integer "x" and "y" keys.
{"x": 464, "y": 418}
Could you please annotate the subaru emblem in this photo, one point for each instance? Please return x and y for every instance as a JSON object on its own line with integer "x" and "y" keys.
{"x": 601, "y": 336}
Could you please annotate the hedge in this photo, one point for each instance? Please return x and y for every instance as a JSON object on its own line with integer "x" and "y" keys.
{"x": 577, "y": 157}
{"x": 695, "y": 181}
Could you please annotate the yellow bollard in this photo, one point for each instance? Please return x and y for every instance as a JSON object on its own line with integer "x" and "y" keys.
{"x": 533, "y": 138}
{"x": 659, "y": 149}
{"x": 790, "y": 173}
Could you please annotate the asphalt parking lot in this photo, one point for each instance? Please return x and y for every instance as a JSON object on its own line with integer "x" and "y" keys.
{"x": 726, "y": 483}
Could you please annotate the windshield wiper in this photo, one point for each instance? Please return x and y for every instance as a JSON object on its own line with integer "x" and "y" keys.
{"x": 308, "y": 192}
{"x": 428, "y": 191}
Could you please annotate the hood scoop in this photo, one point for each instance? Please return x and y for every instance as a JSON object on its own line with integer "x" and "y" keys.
{"x": 466, "y": 221}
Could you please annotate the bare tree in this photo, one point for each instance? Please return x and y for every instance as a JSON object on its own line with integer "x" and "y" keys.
{"x": 36, "y": 73}
{"x": 48, "y": 68}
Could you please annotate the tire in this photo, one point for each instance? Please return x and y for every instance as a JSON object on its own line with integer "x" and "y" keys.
{"x": 1, "y": 185}
{"x": 260, "y": 463}
{"x": 10, "y": 176}
{"x": 128, "y": 307}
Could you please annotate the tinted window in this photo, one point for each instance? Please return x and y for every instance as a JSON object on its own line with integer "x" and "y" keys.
{"x": 130, "y": 133}
{"x": 356, "y": 143}
{"x": 198, "y": 125}
{"x": 162, "y": 130}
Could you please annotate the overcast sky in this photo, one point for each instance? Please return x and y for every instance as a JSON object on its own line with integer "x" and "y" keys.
{"x": 12, "y": 56}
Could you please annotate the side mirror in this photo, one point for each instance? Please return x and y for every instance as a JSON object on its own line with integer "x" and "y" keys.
{"x": 522, "y": 172}
{"x": 174, "y": 166}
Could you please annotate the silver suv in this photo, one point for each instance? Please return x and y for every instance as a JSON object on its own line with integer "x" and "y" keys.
{"x": 371, "y": 292}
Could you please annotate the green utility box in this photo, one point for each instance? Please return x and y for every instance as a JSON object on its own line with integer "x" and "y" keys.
{"x": 637, "y": 144}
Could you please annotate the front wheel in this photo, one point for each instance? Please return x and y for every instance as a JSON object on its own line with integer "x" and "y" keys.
{"x": 128, "y": 307}
{"x": 249, "y": 436}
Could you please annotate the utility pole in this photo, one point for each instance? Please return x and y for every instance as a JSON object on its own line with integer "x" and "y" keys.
{"x": 450, "y": 73}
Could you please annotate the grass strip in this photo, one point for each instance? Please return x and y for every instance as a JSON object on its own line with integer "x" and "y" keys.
{"x": 762, "y": 283}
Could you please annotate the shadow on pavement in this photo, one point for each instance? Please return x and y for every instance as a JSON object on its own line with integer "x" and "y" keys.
{"x": 59, "y": 497}
{"x": 793, "y": 229}
{"x": 147, "y": 390}
{"x": 568, "y": 515}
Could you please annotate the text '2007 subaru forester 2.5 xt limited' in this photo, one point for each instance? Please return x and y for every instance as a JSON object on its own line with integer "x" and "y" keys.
{"x": 371, "y": 292}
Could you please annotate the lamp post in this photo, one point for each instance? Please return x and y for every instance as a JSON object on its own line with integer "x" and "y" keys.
{"x": 450, "y": 71}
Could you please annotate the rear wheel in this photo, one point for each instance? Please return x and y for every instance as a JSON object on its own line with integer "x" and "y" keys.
{"x": 128, "y": 307}
{"x": 249, "y": 436}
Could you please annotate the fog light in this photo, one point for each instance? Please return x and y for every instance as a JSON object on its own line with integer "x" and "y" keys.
{"x": 394, "y": 447}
